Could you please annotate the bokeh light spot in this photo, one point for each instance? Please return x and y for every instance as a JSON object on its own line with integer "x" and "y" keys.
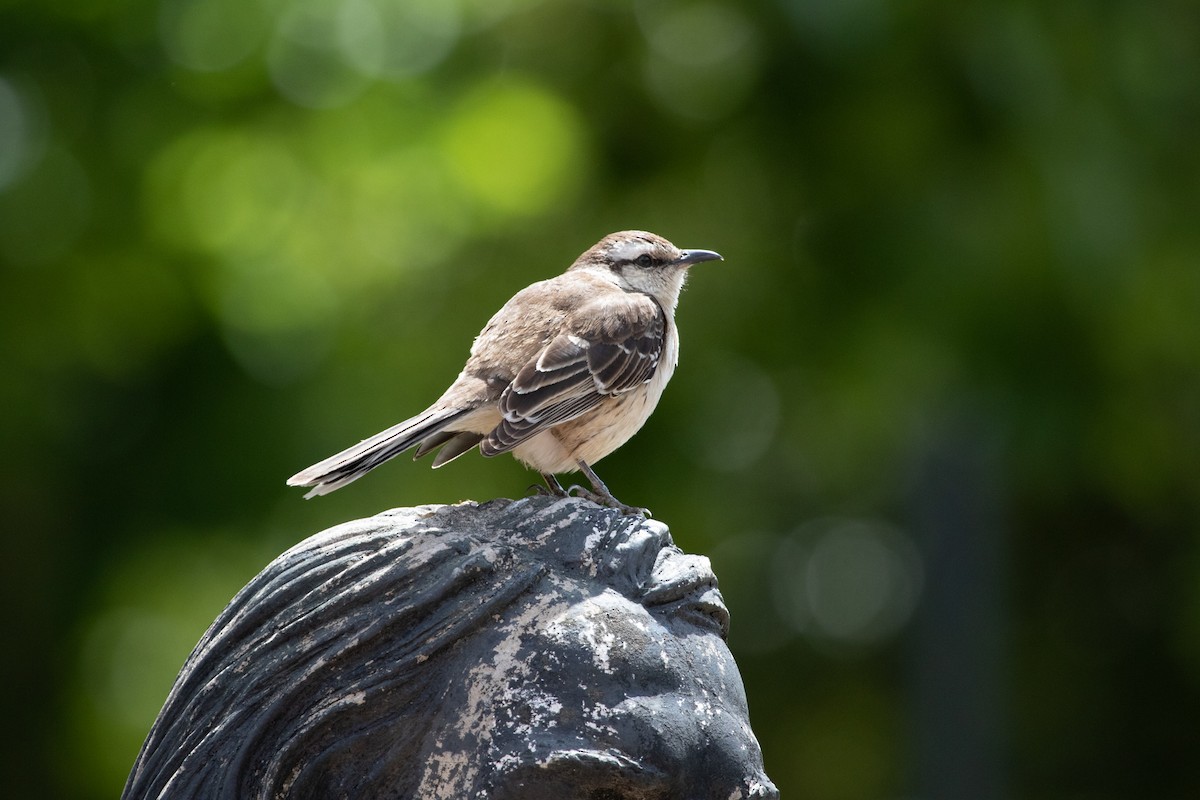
{"x": 270, "y": 279}
{"x": 210, "y": 35}
{"x": 704, "y": 58}
{"x": 240, "y": 191}
{"x": 406, "y": 213}
{"x": 697, "y": 34}
{"x": 847, "y": 582}
{"x": 19, "y": 142}
{"x": 397, "y": 38}
{"x": 515, "y": 147}
{"x": 307, "y": 59}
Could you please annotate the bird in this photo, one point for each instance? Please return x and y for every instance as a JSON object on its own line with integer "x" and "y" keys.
{"x": 566, "y": 372}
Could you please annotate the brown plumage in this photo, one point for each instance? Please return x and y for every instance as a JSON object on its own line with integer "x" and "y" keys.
{"x": 565, "y": 373}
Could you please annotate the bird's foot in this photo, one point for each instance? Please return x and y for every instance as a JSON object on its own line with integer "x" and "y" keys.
{"x": 552, "y": 488}
{"x": 599, "y": 493}
{"x": 606, "y": 499}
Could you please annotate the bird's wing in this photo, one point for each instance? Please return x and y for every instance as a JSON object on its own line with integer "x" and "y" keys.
{"x": 610, "y": 346}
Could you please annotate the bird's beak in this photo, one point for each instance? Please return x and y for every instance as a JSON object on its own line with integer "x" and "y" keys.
{"x": 690, "y": 257}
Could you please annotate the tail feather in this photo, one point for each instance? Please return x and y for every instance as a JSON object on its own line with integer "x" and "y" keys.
{"x": 430, "y": 443}
{"x": 458, "y": 444}
{"x": 354, "y": 462}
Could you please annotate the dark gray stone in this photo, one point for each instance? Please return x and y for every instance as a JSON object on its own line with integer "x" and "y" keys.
{"x": 542, "y": 648}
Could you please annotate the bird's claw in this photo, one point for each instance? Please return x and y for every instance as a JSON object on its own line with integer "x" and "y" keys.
{"x": 608, "y": 501}
{"x": 552, "y": 488}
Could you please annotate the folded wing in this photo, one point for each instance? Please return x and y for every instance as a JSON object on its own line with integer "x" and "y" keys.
{"x": 614, "y": 348}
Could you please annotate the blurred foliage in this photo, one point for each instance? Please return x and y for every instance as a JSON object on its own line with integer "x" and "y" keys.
{"x": 237, "y": 236}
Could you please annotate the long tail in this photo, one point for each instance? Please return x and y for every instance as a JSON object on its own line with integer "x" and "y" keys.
{"x": 354, "y": 462}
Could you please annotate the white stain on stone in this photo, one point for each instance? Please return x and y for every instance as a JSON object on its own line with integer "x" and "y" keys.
{"x": 584, "y": 623}
{"x": 592, "y": 541}
{"x": 553, "y": 524}
{"x": 479, "y": 722}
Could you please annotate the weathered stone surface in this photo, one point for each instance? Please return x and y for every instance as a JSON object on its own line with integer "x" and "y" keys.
{"x": 541, "y": 648}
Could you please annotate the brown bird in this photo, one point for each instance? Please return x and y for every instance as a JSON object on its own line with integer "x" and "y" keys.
{"x": 564, "y": 374}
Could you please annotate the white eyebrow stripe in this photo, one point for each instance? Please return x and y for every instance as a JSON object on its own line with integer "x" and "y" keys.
{"x": 630, "y": 250}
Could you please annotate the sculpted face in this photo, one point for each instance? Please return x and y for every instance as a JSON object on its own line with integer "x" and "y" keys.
{"x": 618, "y": 684}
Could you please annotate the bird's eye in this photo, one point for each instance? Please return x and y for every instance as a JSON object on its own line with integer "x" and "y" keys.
{"x": 644, "y": 260}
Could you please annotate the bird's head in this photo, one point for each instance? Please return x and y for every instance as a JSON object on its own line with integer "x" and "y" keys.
{"x": 644, "y": 262}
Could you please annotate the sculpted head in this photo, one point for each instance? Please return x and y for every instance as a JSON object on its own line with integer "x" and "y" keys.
{"x": 533, "y": 649}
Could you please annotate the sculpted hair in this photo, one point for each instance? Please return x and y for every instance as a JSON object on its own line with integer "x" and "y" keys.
{"x": 282, "y": 684}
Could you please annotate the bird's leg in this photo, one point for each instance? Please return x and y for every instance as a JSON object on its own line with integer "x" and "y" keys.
{"x": 552, "y": 488}
{"x": 601, "y": 495}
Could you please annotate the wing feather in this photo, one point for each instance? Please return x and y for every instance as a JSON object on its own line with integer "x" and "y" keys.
{"x": 615, "y": 351}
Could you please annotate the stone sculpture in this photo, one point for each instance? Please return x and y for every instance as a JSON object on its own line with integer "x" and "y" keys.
{"x": 539, "y": 648}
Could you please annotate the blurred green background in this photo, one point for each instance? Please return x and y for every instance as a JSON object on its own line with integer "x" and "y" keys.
{"x": 937, "y": 416}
